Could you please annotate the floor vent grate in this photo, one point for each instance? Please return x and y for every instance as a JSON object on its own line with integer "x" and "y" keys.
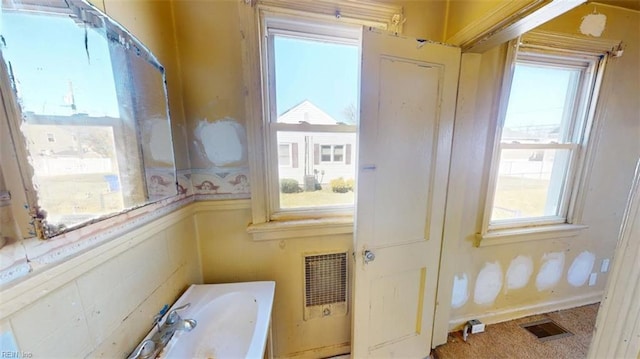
{"x": 546, "y": 329}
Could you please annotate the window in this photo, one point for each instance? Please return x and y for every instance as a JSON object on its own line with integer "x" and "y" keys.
{"x": 284, "y": 154}
{"x": 542, "y": 138}
{"x": 312, "y": 72}
{"x": 333, "y": 153}
{"x": 299, "y": 54}
{"x": 338, "y": 153}
{"x": 325, "y": 152}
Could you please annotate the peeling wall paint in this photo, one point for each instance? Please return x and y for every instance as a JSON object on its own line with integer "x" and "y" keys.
{"x": 519, "y": 272}
{"x": 488, "y": 284}
{"x": 581, "y": 268}
{"x": 550, "y": 271}
{"x": 222, "y": 142}
{"x": 593, "y": 24}
{"x": 460, "y": 293}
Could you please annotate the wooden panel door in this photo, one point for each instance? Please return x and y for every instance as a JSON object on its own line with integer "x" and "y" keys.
{"x": 408, "y": 93}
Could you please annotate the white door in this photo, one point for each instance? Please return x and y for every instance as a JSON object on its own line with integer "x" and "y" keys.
{"x": 408, "y": 94}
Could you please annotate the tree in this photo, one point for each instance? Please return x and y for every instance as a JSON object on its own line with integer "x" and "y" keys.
{"x": 350, "y": 113}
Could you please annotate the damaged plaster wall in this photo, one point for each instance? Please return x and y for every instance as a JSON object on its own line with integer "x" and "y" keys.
{"x": 222, "y": 142}
{"x": 460, "y": 290}
{"x": 581, "y": 268}
{"x": 210, "y": 51}
{"x": 213, "y": 98}
{"x": 99, "y": 303}
{"x": 553, "y": 273}
{"x": 488, "y": 284}
{"x": 593, "y": 24}
{"x": 551, "y": 270}
{"x": 220, "y": 149}
{"x": 519, "y": 272}
{"x": 214, "y": 91}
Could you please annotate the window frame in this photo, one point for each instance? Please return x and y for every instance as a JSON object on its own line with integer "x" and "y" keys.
{"x": 532, "y": 50}
{"x": 266, "y": 226}
{"x": 272, "y": 25}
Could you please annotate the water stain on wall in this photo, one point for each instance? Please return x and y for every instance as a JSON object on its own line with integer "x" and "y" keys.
{"x": 550, "y": 271}
{"x": 460, "y": 293}
{"x": 488, "y": 284}
{"x": 581, "y": 269}
{"x": 222, "y": 142}
{"x": 519, "y": 272}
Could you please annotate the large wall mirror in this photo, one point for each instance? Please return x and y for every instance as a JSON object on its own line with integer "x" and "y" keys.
{"x": 87, "y": 111}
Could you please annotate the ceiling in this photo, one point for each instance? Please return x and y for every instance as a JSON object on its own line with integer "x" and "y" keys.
{"x": 629, "y": 4}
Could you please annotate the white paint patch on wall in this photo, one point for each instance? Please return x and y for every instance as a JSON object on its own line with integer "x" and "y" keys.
{"x": 581, "y": 269}
{"x": 488, "y": 284}
{"x": 460, "y": 293}
{"x": 519, "y": 272}
{"x": 161, "y": 150}
{"x": 593, "y": 24}
{"x": 550, "y": 271}
{"x": 223, "y": 142}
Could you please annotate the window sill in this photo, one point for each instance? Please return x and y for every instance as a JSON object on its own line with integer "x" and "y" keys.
{"x": 276, "y": 230}
{"x": 516, "y": 235}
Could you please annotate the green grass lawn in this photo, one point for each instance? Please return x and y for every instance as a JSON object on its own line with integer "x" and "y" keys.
{"x": 324, "y": 197}
{"x": 526, "y": 196}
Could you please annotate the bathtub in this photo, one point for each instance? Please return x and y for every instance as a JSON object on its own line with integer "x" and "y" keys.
{"x": 233, "y": 321}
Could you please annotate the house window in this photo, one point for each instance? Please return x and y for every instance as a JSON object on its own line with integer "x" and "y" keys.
{"x": 312, "y": 76}
{"x": 338, "y": 153}
{"x": 284, "y": 154}
{"x": 332, "y": 153}
{"x": 542, "y": 139}
{"x": 325, "y": 152}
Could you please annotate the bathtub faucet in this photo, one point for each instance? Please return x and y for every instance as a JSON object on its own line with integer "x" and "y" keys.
{"x": 151, "y": 347}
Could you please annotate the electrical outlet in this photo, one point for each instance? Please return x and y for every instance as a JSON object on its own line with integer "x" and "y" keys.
{"x": 476, "y": 326}
{"x": 605, "y": 265}
{"x": 592, "y": 279}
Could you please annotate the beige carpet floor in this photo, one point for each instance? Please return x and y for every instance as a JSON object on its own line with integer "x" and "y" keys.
{"x": 508, "y": 340}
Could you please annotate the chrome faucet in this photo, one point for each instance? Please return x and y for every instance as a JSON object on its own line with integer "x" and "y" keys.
{"x": 151, "y": 347}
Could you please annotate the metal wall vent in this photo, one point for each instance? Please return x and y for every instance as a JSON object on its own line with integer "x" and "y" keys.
{"x": 325, "y": 285}
{"x": 546, "y": 329}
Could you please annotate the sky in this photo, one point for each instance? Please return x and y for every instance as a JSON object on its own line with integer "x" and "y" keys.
{"x": 538, "y": 95}
{"x": 54, "y": 57}
{"x": 327, "y": 74}
{"x": 324, "y": 73}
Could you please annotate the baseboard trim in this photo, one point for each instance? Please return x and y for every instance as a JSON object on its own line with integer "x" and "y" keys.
{"x": 504, "y": 315}
{"x": 324, "y": 352}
